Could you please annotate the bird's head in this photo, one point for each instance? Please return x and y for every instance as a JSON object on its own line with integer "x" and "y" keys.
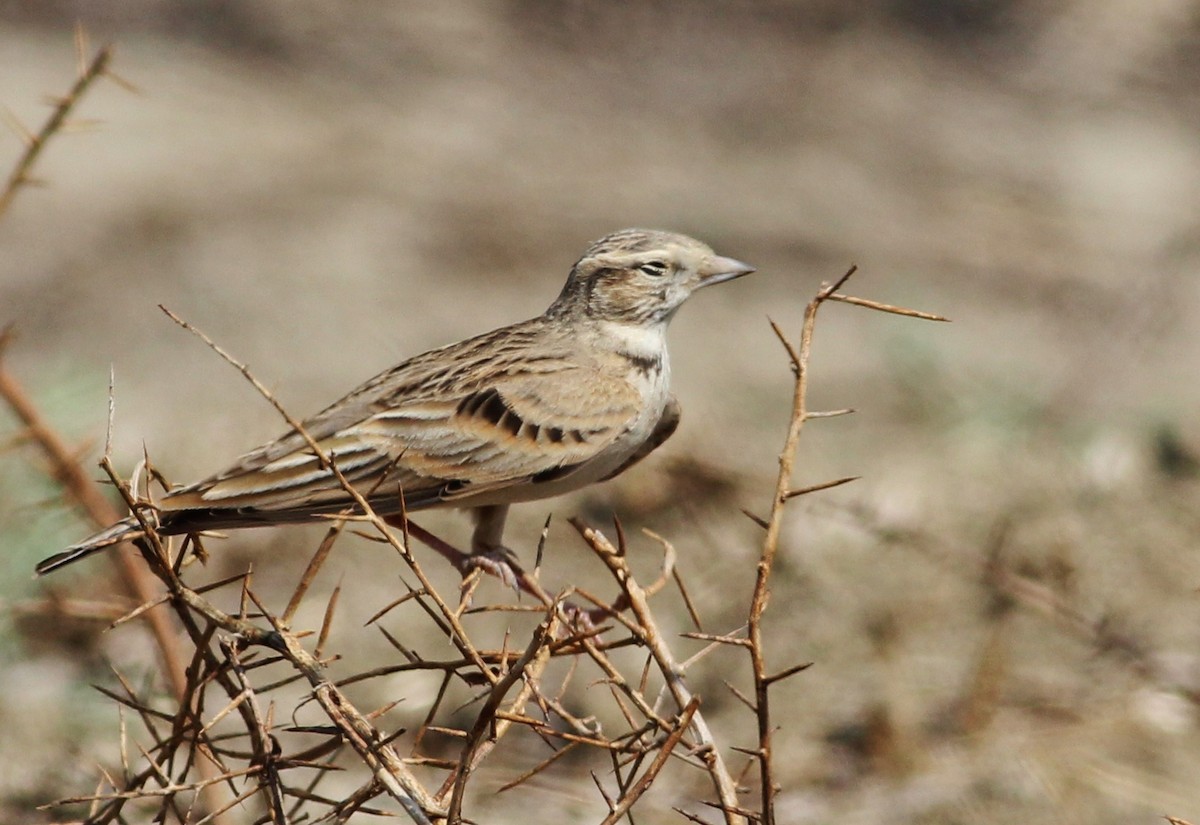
{"x": 642, "y": 276}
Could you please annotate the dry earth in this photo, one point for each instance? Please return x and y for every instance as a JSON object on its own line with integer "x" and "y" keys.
{"x": 328, "y": 188}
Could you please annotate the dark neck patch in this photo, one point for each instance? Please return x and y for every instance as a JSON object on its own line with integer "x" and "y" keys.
{"x": 647, "y": 365}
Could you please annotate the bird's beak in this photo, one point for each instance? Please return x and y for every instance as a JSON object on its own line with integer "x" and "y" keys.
{"x": 717, "y": 270}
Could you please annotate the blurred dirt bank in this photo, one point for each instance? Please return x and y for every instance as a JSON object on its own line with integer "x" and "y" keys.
{"x": 327, "y": 189}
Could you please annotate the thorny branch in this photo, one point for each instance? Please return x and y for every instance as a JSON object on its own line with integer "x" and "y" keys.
{"x": 64, "y": 466}
{"x": 646, "y": 627}
{"x": 799, "y": 359}
{"x": 651, "y": 734}
{"x": 89, "y": 73}
{"x": 212, "y": 743}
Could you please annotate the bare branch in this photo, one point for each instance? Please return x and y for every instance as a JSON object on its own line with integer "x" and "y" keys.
{"x": 910, "y": 313}
{"x": 36, "y": 143}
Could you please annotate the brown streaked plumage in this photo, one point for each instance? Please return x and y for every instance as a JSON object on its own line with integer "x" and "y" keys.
{"x": 528, "y": 411}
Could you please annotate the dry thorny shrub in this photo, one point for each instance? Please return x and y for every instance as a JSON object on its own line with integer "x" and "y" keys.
{"x": 246, "y": 723}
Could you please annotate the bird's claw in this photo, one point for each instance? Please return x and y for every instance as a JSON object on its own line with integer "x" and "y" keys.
{"x": 496, "y": 561}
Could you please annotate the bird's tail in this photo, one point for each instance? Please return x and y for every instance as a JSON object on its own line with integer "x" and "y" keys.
{"x": 124, "y": 530}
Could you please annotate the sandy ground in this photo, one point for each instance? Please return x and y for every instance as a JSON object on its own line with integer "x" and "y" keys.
{"x": 326, "y": 191}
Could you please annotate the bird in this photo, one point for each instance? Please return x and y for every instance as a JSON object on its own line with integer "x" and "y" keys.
{"x": 546, "y": 406}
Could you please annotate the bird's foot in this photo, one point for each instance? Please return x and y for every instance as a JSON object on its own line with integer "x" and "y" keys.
{"x": 499, "y": 561}
{"x": 496, "y": 561}
{"x": 502, "y": 563}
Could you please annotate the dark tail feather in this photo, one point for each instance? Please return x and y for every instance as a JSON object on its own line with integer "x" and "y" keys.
{"x": 123, "y": 530}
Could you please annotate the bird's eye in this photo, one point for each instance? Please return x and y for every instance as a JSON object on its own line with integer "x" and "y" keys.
{"x": 655, "y": 269}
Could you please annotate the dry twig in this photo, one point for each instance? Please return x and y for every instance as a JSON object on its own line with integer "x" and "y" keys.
{"x": 219, "y": 748}
{"x": 798, "y": 357}
{"x": 35, "y": 143}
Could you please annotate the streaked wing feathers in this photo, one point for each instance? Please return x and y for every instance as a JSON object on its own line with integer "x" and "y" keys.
{"x": 506, "y": 425}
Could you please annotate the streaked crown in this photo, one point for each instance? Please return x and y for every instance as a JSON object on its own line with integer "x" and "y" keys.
{"x": 641, "y": 276}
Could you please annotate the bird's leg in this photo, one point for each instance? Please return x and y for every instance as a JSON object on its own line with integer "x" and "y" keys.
{"x": 488, "y": 552}
{"x": 485, "y": 545}
{"x": 489, "y": 529}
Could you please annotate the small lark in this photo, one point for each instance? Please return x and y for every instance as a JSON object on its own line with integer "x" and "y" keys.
{"x": 529, "y": 411}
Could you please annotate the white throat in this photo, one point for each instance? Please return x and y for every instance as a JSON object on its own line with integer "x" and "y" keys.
{"x": 637, "y": 339}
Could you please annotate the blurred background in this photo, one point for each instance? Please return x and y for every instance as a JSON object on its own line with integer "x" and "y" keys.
{"x": 1002, "y": 612}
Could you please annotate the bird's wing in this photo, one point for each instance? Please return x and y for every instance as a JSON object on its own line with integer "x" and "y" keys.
{"x": 446, "y": 438}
